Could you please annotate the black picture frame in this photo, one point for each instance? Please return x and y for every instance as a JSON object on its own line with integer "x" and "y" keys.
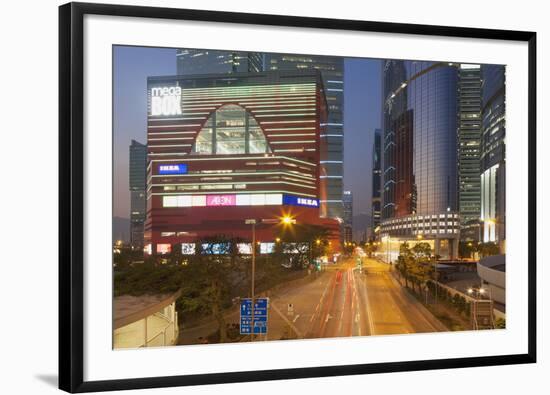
{"x": 71, "y": 173}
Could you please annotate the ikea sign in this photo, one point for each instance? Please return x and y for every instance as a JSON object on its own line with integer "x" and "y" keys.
{"x": 178, "y": 168}
{"x": 300, "y": 201}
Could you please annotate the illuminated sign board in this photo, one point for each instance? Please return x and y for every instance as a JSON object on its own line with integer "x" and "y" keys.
{"x": 178, "y": 168}
{"x": 166, "y": 100}
{"x": 220, "y": 200}
{"x": 244, "y": 248}
{"x": 188, "y": 248}
{"x": 268, "y": 199}
{"x": 164, "y": 249}
{"x": 267, "y": 248}
{"x": 300, "y": 201}
{"x": 216, "y": 248}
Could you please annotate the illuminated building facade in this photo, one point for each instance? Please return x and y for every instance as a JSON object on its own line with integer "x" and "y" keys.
{"x": 469, "y": 144}
{"x": 493, "y": 148}
{"x": 332, "y": 74}
{"x": 225, "y": 148}
{"x": 419, "y": 160}
{"x": 138, "y": 183}
{"x": 207, "y": 61}
{"x": 376, "y": 180}
{"x": 347, "y": 199}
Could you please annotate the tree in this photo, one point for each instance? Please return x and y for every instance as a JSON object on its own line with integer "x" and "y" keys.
{"x": 370, "y": 248}
{"x": 209, "y": 278}
{"x": 467, "y": 248}
{"x": 416, "y": 264}
{"x": 301, "y": 244}
{"x": 488, "y": 249}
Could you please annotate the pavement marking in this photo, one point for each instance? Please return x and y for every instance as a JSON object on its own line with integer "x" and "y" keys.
{"x": 298, "y": 333}
{"x": 295, "y": 318}
{"x": 369, "y": 310}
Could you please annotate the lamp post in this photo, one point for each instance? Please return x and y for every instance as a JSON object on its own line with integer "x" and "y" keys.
{"x": 286, "y": 220}
{"x": 253, "y": 223}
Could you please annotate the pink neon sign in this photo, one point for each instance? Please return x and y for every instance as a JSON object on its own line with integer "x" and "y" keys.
{"x": 220, "y": 200}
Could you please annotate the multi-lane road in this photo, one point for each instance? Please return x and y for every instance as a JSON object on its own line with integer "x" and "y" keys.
{"x": 340, "y": 301}
{"x": 346, "y": 301}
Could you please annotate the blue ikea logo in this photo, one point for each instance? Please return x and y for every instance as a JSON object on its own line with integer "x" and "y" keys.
{"x": 178, "y": 168}
{"x": 300, "y": 201}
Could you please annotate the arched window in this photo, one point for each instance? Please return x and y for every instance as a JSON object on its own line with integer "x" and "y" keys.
{"x": 230, "y": 130}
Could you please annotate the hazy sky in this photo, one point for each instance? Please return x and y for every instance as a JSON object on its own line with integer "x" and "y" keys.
{"x": 132, "y": 66}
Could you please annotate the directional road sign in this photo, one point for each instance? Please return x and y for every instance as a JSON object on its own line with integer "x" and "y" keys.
{"x": 260, "y": 316}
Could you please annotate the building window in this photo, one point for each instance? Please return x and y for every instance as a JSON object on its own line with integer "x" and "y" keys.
{"x": 231, "y": 130}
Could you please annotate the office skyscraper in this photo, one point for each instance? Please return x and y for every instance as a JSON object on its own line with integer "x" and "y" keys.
{"x": 138, "y": 201}
{"x": 419, "y": 200}
{"x": 347, "y": 200}
{"x": 469, "y": 141}
{"x": 332, "y": 73}
{"x": 493, "y": 148}
{"x": 376, "y": 179}
{"x": 206, "y": 61}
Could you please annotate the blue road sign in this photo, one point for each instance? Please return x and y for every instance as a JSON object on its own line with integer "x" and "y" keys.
{"x": 260, "y": 316}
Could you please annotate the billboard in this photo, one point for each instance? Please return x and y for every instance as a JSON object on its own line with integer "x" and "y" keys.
{"x": 173, "y": 168}
{"x": 188, "y": 248}
{"x": 292, "y": 200}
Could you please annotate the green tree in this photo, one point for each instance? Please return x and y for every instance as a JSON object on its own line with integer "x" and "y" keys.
{"x": 416, "y": 264}
{"x": 300, "y": 244}
{"x": 488, "y": 249}
{"x": 209, "y": 278}
{"x": 370, "y": 248}
{"x": 466, "y": 249}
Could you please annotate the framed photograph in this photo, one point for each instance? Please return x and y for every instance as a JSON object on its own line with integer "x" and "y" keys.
{"x": 258, "y": 197}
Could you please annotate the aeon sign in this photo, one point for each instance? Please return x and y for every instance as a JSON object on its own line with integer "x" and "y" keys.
{"x": 220, "y": 200}
{"x": 166, "y": 100}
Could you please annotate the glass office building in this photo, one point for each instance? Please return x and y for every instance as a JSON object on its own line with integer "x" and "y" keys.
{"x": 138, "y": 184}
{"x": 420, "y": 178}
{"x": 469, "y": 150}
{"x": 205, "y": 61}
{"x": 332, "y": 74}
{"x": 493, "y": 149}
{"x": 376, "y": 180}
{"x": 348, "y": 216}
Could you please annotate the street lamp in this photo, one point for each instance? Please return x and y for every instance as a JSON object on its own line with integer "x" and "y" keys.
{"x": 286, "y": 220}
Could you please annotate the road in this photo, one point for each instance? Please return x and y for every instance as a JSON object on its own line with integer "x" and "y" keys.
{"x": 342, "y": 301}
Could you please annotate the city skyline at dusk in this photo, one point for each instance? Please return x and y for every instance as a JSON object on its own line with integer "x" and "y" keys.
{"x": 361, "y": 113}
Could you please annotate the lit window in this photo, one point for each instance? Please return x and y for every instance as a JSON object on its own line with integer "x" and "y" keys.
{"x": 188, "y": 248}
{"x": 243, "y": 200}
{"x": 169, "y": 201}
{"x": 198, "y": 200}
{"x": 164, "y": 249}
{"x": 231, "y": 130}
{"x": 274, "y": 199}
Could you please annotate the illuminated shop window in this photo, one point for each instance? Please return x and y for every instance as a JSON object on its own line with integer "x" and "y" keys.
{"x": 164, "y": 249}
{"x": 188, "y": 248}
{"x": 231, "y": 130}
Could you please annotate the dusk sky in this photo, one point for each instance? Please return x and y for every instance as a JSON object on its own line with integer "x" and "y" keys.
{"x": 132, "y": 66}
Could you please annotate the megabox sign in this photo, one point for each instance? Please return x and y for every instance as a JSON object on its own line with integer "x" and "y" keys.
{"x": 166, "y": 101}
